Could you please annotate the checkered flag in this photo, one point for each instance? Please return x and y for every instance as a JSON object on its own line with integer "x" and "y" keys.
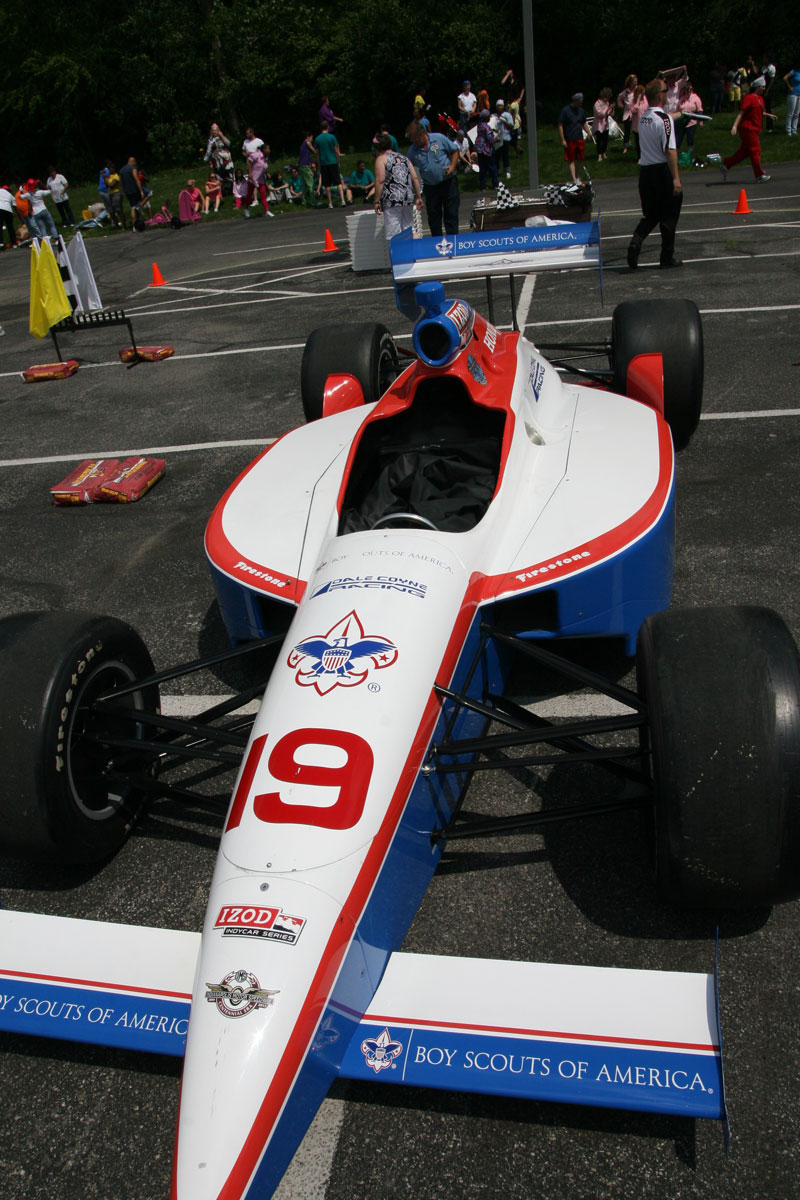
{"x": 505, "y": 199}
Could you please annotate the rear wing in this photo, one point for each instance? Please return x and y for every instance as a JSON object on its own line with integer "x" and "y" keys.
{"x": 495, "y": 252}
{"x": 644, "y": 1040}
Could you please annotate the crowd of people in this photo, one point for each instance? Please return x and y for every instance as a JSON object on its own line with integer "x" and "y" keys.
{"x": 482, "y": 136}
{"x": 24, "y": 213}
{"x": 669, "y": 116}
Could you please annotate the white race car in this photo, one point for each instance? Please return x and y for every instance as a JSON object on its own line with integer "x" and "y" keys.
{"x": 392, "y": 559}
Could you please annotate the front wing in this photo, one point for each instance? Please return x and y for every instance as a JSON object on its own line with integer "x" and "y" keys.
{"x": 643, "y": 1040}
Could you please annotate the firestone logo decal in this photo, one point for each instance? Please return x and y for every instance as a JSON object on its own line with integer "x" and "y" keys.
{"x": 564, "y": 561}
{"x": 343, "y": 657}
{"x": 380, "y": 1052}
{"x": 259, "y": 921}
{"x": 238, "y": 994}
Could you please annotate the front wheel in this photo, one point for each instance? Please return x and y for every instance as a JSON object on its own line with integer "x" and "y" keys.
{"x": 722, "y": 687}
{"x": 365, "y": 351}
{"x": 68, "y": 791}
{"x": 671, "y": 328}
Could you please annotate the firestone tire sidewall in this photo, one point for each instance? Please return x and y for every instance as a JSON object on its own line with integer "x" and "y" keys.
{"x": 51, "y": 663}
{"x": 723, "y": 692}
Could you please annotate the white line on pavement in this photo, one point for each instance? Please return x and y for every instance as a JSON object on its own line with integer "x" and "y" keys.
{"x": 584, "y": 704}
{"x": 177, "y": 358}
{"x": 184, "y": 449}
{"x": 525, "y": 297}
{"x": 749, "y": 415}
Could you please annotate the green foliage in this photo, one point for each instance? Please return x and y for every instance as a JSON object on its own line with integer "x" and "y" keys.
{"x": 91, "y": 83}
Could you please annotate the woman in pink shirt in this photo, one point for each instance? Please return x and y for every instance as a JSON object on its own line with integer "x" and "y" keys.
{"x": 690, "y": 102}
{"x": 624, "y": 101}
{"x": 603, "y": 109}
{"x": 638, "y": 106}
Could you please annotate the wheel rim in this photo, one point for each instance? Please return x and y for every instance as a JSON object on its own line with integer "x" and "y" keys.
{"x": 89, "y": 743}
{"x": 387, "y": 368}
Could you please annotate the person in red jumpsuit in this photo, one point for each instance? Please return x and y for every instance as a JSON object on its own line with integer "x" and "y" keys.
{"x": 748, "y": 125}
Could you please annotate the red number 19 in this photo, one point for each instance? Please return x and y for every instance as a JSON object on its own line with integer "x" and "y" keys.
{"x": 351, "y": 778}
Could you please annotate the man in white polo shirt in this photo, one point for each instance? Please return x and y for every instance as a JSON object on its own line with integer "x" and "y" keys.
{"x": 660, "y": 186}
{"x": 466, "y": 104}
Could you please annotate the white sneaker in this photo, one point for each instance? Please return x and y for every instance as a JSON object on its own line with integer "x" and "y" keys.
{"x": 763, "y": 178}
{"x": 269, "y": 213}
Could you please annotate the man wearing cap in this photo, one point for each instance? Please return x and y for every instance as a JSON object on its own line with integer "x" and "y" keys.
{"x": 40, "y": 222}
{"x": 660, "y": 188}
{"x": 747, "y": 124}
{"x": 571, "y": 127}
{"x": 466, "y": 104}
{"x": 435, "y": 159}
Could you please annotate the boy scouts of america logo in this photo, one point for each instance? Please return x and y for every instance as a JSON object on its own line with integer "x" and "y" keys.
{"x": 343, "y": 657}
{"x": 380, "y": 1052}
{"x": 238, "y": 994}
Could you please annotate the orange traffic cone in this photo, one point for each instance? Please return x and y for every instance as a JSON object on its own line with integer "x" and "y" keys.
{"x": 330, "y": 244}
{"x": 742, "y": 206}
{"x": 158, "y": 278}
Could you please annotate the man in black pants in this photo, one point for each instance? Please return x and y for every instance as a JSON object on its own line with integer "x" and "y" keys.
{"x": 660, "y": 187}
{"x": 435, "y": 158}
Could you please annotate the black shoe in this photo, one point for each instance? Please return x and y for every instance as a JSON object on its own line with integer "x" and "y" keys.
{"x": 633, "y": 255}
{"x": 673, "y": 262}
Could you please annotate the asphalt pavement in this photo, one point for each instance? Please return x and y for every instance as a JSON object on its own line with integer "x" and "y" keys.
{"x": 239, "y": 302}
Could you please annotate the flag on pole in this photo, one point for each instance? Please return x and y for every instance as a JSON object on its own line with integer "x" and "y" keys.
{"x": 88, "y": 295}
{"x": 37, "y": 326}
{"x": 65, "y": 271}
{"x": 49, "y": 303}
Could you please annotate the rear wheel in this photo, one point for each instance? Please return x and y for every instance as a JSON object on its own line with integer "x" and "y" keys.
{"x": 365, "y": 351}
{"x": 67, "y": 794}
{"x": 671, "y": 328}
{"x": 723, "y": 692}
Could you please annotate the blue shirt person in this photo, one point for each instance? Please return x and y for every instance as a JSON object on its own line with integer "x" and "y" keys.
{"x": 435, "y": 158}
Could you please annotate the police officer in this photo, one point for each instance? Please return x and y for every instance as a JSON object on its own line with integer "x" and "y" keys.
{"x": 435, "y": 158}
{"x": 660, "y": 186}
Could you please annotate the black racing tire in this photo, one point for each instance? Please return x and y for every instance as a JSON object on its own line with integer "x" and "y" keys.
{"x": 366, "y": 351}
{"x": 722, "y": 687}
{"x": 673, "y": 329}
{"x": 58, "y": 802}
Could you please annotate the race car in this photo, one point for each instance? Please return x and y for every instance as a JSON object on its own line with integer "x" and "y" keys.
{"x": 385, "y": 568}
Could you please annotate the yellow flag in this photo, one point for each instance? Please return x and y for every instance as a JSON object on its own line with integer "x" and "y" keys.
{"x": 55, "y": 304}
{"x": 38, "y": 325}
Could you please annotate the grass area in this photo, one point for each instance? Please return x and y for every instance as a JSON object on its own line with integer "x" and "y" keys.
{"x": 715, "y": 136}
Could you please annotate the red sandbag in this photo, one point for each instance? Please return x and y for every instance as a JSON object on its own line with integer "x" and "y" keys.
{"x": 148, "y": 353}
{"x": 79, "y": 486}
{"x": 58, "y": 370}
{"x": 134, "y": 477}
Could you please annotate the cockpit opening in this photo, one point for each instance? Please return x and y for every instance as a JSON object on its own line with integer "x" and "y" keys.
{"x": 439, "y": 460}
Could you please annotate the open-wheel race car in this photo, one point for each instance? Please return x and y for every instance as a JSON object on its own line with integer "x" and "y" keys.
{"x": 391, "y": 562}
